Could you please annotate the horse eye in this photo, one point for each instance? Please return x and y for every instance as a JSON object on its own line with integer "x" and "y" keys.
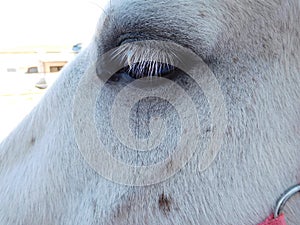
{"x": 141, "y": 70}
{"x": 148, "y": 69}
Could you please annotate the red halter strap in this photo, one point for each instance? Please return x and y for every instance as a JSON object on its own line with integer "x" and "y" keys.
{"x": 278, "y": 218}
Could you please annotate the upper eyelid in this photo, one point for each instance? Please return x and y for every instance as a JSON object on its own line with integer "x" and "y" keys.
{"x": 131, "y": 55}
{"x": 152, "y": 68}
{"x": 128, "y": 54}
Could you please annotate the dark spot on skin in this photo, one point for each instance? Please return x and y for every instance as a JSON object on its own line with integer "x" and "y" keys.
{"x": 202, "y": 15}
{"x": 164, "y": 203}
{"x": 94, "y": 207}
{"x": 235, "y": 59}
{"x": 108, "y": 20}
{"x": 169, "y": 165}
{"x": 208, "y": 130}
{"x": 32, "y": 141}
{"x": 229, "y": 131}
{"x": 265, "y": 41}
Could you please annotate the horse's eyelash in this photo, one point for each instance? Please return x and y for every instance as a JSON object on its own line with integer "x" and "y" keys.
{"x": 144, "y": 53}
{"x": 149, "y": 69}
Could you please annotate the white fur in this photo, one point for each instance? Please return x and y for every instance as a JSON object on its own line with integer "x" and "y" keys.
{"x": 253, "y": 49}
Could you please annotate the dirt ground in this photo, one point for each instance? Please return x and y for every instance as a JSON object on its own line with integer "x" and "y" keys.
{"x": 18, "y": 96}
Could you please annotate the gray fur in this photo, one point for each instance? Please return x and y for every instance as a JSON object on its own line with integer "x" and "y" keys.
{"x": 253, "y": 49}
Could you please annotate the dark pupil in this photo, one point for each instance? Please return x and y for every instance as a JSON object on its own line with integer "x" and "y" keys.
{"x": 148, "y": 69}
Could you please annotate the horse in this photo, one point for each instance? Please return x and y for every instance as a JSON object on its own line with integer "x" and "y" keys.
{"x": 177, "y": 112}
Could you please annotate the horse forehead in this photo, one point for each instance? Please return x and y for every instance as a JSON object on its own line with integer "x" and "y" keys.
{"x": 191, "y": 23}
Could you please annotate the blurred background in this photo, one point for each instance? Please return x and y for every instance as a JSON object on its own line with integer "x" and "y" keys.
{"x": 38, "y": 38}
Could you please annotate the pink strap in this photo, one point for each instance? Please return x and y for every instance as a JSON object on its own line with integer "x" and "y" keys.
{"x": 280, "y": 220}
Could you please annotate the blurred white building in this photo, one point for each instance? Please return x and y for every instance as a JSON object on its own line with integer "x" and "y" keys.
{"x": 35, "y": 59}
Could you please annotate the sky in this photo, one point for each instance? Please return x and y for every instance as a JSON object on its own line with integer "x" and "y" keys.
{"x": 48, "y": 22}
